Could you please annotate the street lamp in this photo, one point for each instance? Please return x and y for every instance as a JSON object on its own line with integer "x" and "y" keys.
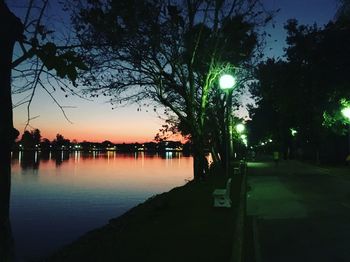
{"x": 240, "y": 128}
{"x": 293, "y": 131}
{"x": 346, "y": 112}
{"x": 226, "y": 83}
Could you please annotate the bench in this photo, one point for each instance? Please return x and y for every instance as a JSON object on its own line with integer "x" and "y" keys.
{"x": 222, "y": 196}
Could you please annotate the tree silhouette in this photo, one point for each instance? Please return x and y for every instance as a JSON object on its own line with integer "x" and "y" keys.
{"x": 36, "y": 136}
{"x": 60, "y": 142}
{"x": 40, "y": 62}
{"x": 31, "y": 139}
{"x": 169, "y": 53}
{"x": 27, "y": 140}
{"x": 304, "y": 92}
{"x": 10, "y": 31}
{"x": 343, "y": 12}
{"x": 45, "y": 57}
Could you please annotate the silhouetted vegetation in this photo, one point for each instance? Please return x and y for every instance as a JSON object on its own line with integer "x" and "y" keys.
{"x": 31, "y": 141}
{"x": 39, "y": 55}
{"x": 10, "y": 31}
{"x": 305, "y": 92}
{"x": 171, "y": 53}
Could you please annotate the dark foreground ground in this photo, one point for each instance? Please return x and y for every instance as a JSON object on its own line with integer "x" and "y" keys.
{"x": 180, "y": 225}
{"x": 295, "y": 212}
{"x": 298, "y": 212}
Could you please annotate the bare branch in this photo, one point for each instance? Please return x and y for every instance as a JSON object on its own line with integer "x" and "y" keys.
{"x": 56, "y": 102}
{"x": 34, "y": 85}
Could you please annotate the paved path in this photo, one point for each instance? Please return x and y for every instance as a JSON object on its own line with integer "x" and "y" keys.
{"x": 302, "y": 212}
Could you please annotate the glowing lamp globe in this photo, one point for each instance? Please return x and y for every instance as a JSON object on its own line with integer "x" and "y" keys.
{"x": 346, "y": 112}
{"x": 240, "y": 128}
{"x": 293, "y": 131}
{"x": 227, "y": 81}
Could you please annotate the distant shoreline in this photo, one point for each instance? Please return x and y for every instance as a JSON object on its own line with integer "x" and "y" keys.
{"x": 106, "y": 146}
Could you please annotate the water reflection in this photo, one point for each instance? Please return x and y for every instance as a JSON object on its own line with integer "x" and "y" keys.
{"x": 32, "y": 159}
{"x": 65, "y": 194}
{"x": 27, "y": 160}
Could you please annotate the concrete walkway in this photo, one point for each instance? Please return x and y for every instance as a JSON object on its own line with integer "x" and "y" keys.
{"x": 301, "y": 211}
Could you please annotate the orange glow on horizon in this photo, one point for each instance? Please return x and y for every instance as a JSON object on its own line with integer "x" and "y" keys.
{"x": 91, "y": 121}
{"x": 98, "y": 138}
{"x": 132, "y": 137}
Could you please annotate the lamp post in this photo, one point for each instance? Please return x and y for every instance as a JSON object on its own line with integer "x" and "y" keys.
{"x": 226, "y": 83}
{"x": 346, "y": 113}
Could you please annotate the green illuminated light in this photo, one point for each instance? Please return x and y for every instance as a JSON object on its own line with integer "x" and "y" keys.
{"x": 346, "y": 112}
{"x": 227, "y": 81}
{"x": 293, "y": 131}
{"x": 240, "y": 128}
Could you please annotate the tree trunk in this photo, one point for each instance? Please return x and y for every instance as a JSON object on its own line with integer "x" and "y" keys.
{"x": 215, "y": 155}
{"x": 10, "y": 31}
{"x": 6, "y": 243}
{"x": 199, "y": 162}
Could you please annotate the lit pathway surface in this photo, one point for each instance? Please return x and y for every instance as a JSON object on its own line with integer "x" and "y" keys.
{"x": 302, "y": 212}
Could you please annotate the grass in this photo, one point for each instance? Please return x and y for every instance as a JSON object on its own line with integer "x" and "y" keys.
{"x": 180, "y": 225}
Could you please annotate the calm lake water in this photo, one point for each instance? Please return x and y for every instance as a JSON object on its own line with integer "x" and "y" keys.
{"x": 58, "y": 197}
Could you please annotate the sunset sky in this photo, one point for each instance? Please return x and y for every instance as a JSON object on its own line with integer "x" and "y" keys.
{"x": 96, "y": 121}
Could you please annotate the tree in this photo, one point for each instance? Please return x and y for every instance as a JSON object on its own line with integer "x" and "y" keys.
{"x": 324, "y": 73}
{"x": 343, "y": 12}
{"x": 280, "y": 105}
{"x": 106, "y": 144}
{"x": 36, "y": 136}
{"x": 304, "y": 91}
{"x": 41, "y": 62}
{"x": 60, "y": 142}
{"x": 170, "y": 53}
{"x": 46, "y": 56}
{"x": 10, "y": 31}
{"x": 31, "y": 140}
{"x": 27, "y": 140}
{"x": 45, "y": 144}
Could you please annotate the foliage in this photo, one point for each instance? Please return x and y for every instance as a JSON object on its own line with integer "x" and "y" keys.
{"x": 169, "y": 53}
{"x": 335, "y": 120}
{"x": 30, "y": 139}
{"x": 343, "y": 13}
{"x": 60, "y": 142}
{"x": 46, "y": 56}
{"x": 305, "y": 91}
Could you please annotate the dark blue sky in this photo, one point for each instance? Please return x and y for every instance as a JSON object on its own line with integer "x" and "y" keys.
{"x": 305, "y": 11}
{"x": 96, "y": 121}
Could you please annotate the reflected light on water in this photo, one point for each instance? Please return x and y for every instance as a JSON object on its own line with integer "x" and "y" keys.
{"x": 108, "y": 170}
{"x": 63, "y": 195}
